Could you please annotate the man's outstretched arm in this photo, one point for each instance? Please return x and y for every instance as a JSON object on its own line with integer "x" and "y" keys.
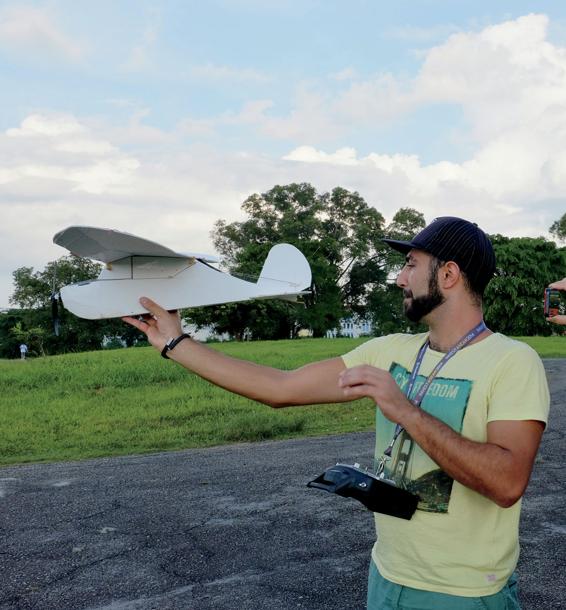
{"x": 311, "y": 384}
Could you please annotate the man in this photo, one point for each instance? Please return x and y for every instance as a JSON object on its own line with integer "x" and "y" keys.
{"x": 560, "y": 285}
{"x": 468, "y": 452}
{"x": 23, "y": 351}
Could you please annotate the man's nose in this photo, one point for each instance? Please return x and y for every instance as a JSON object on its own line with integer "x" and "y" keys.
{"x": 401, "y": 279}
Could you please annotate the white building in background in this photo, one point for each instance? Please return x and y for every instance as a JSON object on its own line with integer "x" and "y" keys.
{"x": 204, "y": 334}
{"x": 351, "y": 327}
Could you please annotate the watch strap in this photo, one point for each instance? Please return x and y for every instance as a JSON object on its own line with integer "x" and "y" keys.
{"x": 172, "y": 343}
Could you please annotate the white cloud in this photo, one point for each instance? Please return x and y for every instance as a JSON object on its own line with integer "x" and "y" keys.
{"x": 60, "y": 148}
{"x": 511, "y": 85}
{"x": 38, "y": 125}
{"x": 503, "y": 77}
{"x": 33, "y": 30}
{"x": 308, "y": 154}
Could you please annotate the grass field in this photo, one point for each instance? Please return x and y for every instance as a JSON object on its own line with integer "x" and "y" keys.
{"x": 547, "y": 347}
{"x": 133, "y": 401}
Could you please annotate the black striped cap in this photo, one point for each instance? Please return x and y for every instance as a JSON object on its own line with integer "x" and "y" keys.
{"x": 455, "y": 239}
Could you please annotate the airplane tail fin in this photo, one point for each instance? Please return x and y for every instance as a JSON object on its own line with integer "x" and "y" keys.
{"x": 285, "y": 270}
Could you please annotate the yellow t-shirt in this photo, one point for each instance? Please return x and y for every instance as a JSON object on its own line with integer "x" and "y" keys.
{"x": 458, "y": 542}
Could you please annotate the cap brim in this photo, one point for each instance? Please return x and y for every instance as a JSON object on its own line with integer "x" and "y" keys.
{"x": 401, "y": 246}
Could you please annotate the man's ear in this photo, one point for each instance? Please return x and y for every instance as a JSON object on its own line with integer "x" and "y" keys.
{"x": 449, "y": 274}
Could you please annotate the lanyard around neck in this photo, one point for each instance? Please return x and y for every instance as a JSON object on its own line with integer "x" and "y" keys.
{"x": 418, "y": 398}
{"x": 465, "y": 340}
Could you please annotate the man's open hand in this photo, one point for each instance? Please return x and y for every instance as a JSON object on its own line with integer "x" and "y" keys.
{"x": 159, "y": 325}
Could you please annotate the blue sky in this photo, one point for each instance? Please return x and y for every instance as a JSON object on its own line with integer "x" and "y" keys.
{"x": 158, "y": 118}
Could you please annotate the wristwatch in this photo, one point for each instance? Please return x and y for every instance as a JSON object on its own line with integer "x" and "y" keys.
{"x": 172, "y": 343}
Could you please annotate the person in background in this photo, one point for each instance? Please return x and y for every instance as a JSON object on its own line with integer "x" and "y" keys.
{"x": 23, "y": 351}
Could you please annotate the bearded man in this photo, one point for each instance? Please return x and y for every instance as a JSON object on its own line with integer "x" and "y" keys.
{"x": 460, "y": 413}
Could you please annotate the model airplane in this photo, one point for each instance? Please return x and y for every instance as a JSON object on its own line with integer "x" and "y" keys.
{"x": 138, "y": 267}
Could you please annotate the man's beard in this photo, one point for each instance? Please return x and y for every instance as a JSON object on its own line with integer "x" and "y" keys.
{"x": 418, "y": 307}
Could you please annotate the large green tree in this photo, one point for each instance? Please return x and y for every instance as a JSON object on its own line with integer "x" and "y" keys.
{"x": 33, "y": 289}
{"x": 338, "y": 232}
{"x": 514, "y": 297}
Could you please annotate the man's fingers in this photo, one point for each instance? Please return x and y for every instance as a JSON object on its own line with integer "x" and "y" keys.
{"x": 358, "y": 375}
{"x": 557, "y": 320}
{"x": 148, "y": 319}
{"x": 139, "y": 324}
{"x": 153, "y": 307}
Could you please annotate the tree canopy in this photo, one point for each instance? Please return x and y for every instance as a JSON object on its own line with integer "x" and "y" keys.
{"x": 33, "y": 289}
{"x": 513, "y": 301}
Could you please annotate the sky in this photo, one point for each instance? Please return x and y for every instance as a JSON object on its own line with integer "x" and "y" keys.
{"x": 159, "y": 118}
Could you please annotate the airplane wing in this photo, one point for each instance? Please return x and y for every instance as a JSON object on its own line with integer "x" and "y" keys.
{"x": 107, "y": 245}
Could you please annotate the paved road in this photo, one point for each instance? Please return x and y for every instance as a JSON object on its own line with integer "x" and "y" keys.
{"x": 230, "y": 527}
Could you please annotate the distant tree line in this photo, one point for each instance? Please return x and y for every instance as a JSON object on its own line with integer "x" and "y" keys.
{"x": 353, "y": 275}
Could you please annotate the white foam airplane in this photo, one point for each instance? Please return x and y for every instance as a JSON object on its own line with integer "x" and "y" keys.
{"x": 138, "y": 267}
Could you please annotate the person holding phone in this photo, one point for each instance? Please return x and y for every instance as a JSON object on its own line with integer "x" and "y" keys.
{"x": 559, "y": 319}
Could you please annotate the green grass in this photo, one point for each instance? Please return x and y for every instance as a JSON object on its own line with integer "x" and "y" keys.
{"x": 547, "y": 347}
{"x": 133, "y": 401}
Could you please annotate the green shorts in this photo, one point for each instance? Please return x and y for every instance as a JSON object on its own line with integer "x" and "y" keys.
{"x": 386, "y": 595}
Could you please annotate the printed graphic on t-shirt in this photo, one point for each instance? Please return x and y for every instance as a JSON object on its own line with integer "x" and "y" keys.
{"x": 410, "y": 467}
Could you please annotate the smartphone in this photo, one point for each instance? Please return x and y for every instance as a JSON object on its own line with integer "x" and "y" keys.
{"x": 551, "y": 302}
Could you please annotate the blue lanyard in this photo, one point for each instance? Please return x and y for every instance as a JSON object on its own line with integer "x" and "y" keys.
{"x": 418, "y": 398}
{"x": 467, "y": 338}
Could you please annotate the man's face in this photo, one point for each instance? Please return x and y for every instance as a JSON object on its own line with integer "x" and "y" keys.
{"x": 419, "y": 282}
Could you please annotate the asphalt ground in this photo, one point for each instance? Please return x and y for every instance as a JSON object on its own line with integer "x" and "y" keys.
{"x": 231, "y": 527}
